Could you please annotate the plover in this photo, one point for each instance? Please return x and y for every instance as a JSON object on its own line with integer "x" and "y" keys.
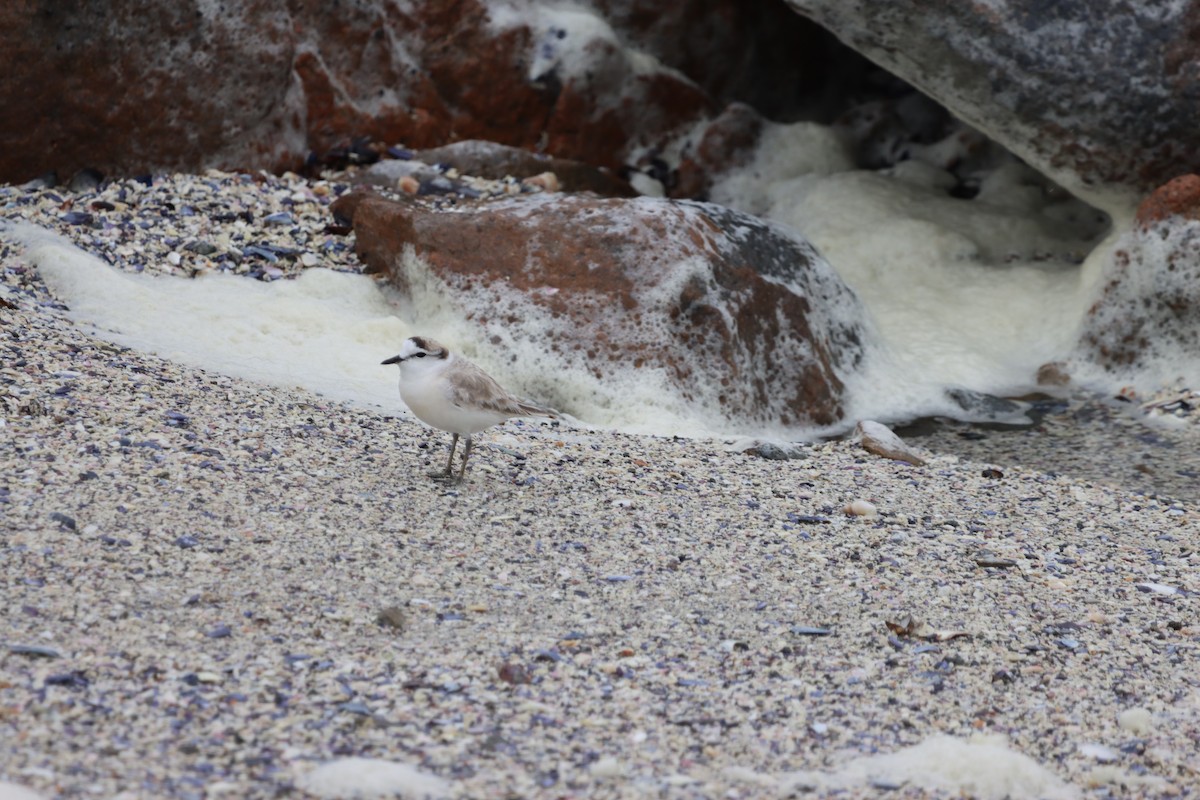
{"x": 447, "y": 391}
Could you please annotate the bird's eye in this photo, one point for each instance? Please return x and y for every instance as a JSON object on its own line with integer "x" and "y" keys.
{"x": 421, "y": 355}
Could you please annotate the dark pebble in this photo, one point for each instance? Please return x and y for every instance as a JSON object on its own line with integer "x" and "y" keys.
{"x": 804, "y": 630}
{"x": 85, "y": 180}
{"x": 775, "y": 452}
{"x": 261, "y": 252}
{"x": 64, "y": 522}
{"x": 34, "y": 650}
{"x": 187, "y": 542}
{"x": 78, "y": 218}
{"x": 392, "y": 617}
{"x": 1003, "y": 676}
{"x": 513, "y": 673}
{"x": 220, "y": 632}
{"x": 73, "y": 680}
{"x": 47, "y": 180}
{"x": 200, "y": 248}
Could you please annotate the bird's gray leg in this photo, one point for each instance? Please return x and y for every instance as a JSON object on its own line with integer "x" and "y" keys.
{"x": 450, "y": 461}
{"x": 466, "y": 454}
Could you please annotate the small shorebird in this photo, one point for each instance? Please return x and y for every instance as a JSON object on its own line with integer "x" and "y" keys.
{"x": 447, "y": 391}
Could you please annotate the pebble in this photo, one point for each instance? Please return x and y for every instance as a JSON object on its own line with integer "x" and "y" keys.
{"x": 862, "y": 508}
{"x": 1099, "y": 752}
{"x": 1138, "y": 721}
{"x": 882, "y": 441}
{"x": 368, "y": 778}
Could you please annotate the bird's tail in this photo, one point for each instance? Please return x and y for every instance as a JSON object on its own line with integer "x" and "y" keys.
{"x": 530, "y": 409}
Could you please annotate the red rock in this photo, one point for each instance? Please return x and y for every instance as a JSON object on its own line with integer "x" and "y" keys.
{"x": 127, "y": 89}
{"x": 750, "y": 326}
{"x": 1177, "y": 198}
{"x": 726, "y": 142}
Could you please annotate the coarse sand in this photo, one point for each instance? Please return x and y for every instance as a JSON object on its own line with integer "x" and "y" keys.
{"x": 214, "y": 588}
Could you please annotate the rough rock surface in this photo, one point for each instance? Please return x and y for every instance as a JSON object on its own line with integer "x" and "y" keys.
{"x": 1177, "y": 198}
{"x": 261, "y": 85}
{"x": 732, "y": 312}
{"x": 495, "y": 161}
{"x": 1148, "y": 311}
{"x": 1105, "y": 90}
{"x": 727, "y": 141}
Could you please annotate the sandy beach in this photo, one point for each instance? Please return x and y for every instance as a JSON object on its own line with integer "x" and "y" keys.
{"x": 212, "y": 587}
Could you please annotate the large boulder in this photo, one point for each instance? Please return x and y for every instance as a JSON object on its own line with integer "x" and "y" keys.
{"x": 1099, "y": 94}
{"x": 669, "y": 303}
{"x": 127, "y": 88}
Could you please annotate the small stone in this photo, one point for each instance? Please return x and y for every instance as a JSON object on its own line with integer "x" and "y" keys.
{"x": 861, "y": 508}
{"x": 371, "y": 777}
{"x": 993, "y": 561}
{"x": 33, "y": 650}
{"x": 806, "y": 630}
{"x": 1138, "y": 721}
{"x": 514, "y": 674}
{"x": 393, "y": 617}
{"x": 1156, "y": 588}
{"x": 547, "y": 181}
{"x": 1099, "y": 752}
{"x": 879, "y": 439}
{"x": 607, "y": 767}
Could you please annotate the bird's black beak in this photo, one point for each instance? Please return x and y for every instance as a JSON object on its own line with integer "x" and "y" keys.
{"x": 393, "y": 360}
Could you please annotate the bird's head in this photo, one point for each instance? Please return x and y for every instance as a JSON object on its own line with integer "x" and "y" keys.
{"x": 419, "y": 355}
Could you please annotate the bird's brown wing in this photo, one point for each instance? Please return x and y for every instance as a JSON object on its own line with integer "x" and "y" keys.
{"x": 474, "y": 388}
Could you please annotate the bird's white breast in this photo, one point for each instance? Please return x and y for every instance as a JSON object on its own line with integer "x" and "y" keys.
{"x": 428, "y": 395}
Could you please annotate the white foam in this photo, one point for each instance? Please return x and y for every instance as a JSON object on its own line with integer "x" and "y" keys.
{"x": 964, "y": 293}
{"x": 325, "y": 331}
{"x": 571, "y": 40}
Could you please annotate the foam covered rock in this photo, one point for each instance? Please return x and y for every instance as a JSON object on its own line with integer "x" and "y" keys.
{"x": 1144, "y": 325}
{"x": 1089, "y": 93}
{"x": 652, "y": 301}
